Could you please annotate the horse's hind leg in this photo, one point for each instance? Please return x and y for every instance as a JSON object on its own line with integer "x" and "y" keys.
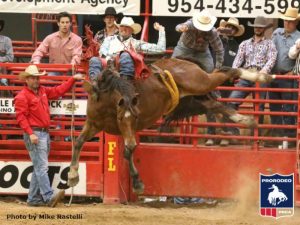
{"x": 87, "y": 133}
{"x": 217, "y": 107}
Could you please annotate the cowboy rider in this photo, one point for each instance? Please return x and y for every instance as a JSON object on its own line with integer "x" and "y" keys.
{"x": 113, "y": 45}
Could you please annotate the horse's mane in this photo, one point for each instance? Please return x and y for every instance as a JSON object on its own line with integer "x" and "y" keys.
{"x": 111, "y": 81}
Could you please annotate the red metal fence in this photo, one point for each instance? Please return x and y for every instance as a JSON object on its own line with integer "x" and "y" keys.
{"x": 184, "y": 167}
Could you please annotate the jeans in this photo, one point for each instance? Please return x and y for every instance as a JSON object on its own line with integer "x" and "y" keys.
{"x": 203, "y": 59}
{"x": 244, "y": 94}
{"x": 287, "y": 120}
{"x": 126, "y": 66}
{"x": 205, "y": 62}
{"x": 39, "y": 189}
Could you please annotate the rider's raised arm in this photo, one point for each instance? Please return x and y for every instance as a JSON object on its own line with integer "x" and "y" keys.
{"x": 149, "y": 48}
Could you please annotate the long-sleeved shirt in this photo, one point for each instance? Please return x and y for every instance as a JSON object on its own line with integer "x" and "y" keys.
{"x": 283, "y": 43}
{"x": 294, "y": 51}
{"x": 201, "y": 40}
{"x": 113, "y": 45}
{"x": 61, "y": 50}
{"x": 32, "y": 110}
{"x": 261, "y": 55}
{"x": 294, "y": 54}
{"x": 6, "y": 49}
{"x": 102, "y": 34}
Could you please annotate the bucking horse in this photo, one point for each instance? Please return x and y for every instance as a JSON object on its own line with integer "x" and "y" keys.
{"x": 175, "y": 88}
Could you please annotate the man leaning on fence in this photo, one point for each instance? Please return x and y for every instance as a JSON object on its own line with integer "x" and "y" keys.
{"x": 63, "y": 46}
{"x": 284, "y": 38}
{"x": 33, "y": 116}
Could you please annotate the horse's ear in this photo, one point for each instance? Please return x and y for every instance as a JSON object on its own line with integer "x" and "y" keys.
{"x": 87, "y": 86}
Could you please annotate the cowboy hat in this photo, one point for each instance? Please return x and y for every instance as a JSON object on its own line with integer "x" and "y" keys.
{"x": 128, "y": 22}
{"x": 31, "y": 70}
{"x": 261, "y": 22}
{"x": 234, "y": 22}
{"x": 204, "y": 21}
{"x": 111, "y": 11}
{"x": 290, "y": 14}
{"x": 1, "y": 25}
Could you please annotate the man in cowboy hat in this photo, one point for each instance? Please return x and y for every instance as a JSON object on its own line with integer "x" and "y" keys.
{"x": 63, "y": 47}
{"x": 228, "y": 30}
{"x": 256, "y": 53}
{"x": 284, "y": 38}
{"x": 114, "y": 45}
{"x": 6, "y": 52}
{"x": 198, "y": 33}
{"x": 32, "y": 114}
{"x": 111, "y": 18}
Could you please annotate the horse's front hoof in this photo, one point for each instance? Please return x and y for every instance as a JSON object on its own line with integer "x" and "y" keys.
{"x": 73, "y": 178}
{"x": 138, "y": 187}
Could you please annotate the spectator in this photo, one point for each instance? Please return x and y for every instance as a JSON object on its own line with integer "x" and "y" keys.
{"x": 228, "y": 31}
{"x": 256, "y": 53}
{"x": 197, "y": 35}
{"x": 32, "y": 112}
{"x": 112, "y": 46}
{"x": 63, "y": 46}
{"x": 110, "y": 19}
{"x": 284, "y": 38}
{"x": 6, "y": 52}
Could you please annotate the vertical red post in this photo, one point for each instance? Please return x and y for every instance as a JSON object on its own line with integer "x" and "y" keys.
{"x": 116, "y": 173}
{"x": 33, "y": 30}
{"x": 145, "y": 31}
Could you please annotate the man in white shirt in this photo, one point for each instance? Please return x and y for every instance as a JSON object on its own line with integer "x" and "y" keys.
{"x": 113, "y": 45}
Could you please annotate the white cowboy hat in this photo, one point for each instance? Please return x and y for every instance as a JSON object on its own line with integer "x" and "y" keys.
{"x": 204, "y": 21}
{"x": 128, "y": 22}
{"x": 234, "y": 22}
{"x": 290, "y": 14}
{"x": 31, "y": 70}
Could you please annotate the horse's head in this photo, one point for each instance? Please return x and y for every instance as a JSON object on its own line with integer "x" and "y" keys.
{"x": 126, "y": 100}
{"x": 127, "y": 116}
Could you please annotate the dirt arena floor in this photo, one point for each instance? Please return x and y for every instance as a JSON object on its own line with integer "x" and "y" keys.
{"x": 154, "y": 213}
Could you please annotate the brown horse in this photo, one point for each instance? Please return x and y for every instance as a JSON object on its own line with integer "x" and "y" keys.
{"x": 121, "y": 107}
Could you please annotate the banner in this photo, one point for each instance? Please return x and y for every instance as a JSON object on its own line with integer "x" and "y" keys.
{"x": 15, "y": 177}
{"x": 57, "y": 107}
{"x": 223, "y": 8}
{"x": 89, "y": 7}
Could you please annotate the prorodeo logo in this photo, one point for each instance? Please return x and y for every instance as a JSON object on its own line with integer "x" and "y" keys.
{"x": 276, "y": 195}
